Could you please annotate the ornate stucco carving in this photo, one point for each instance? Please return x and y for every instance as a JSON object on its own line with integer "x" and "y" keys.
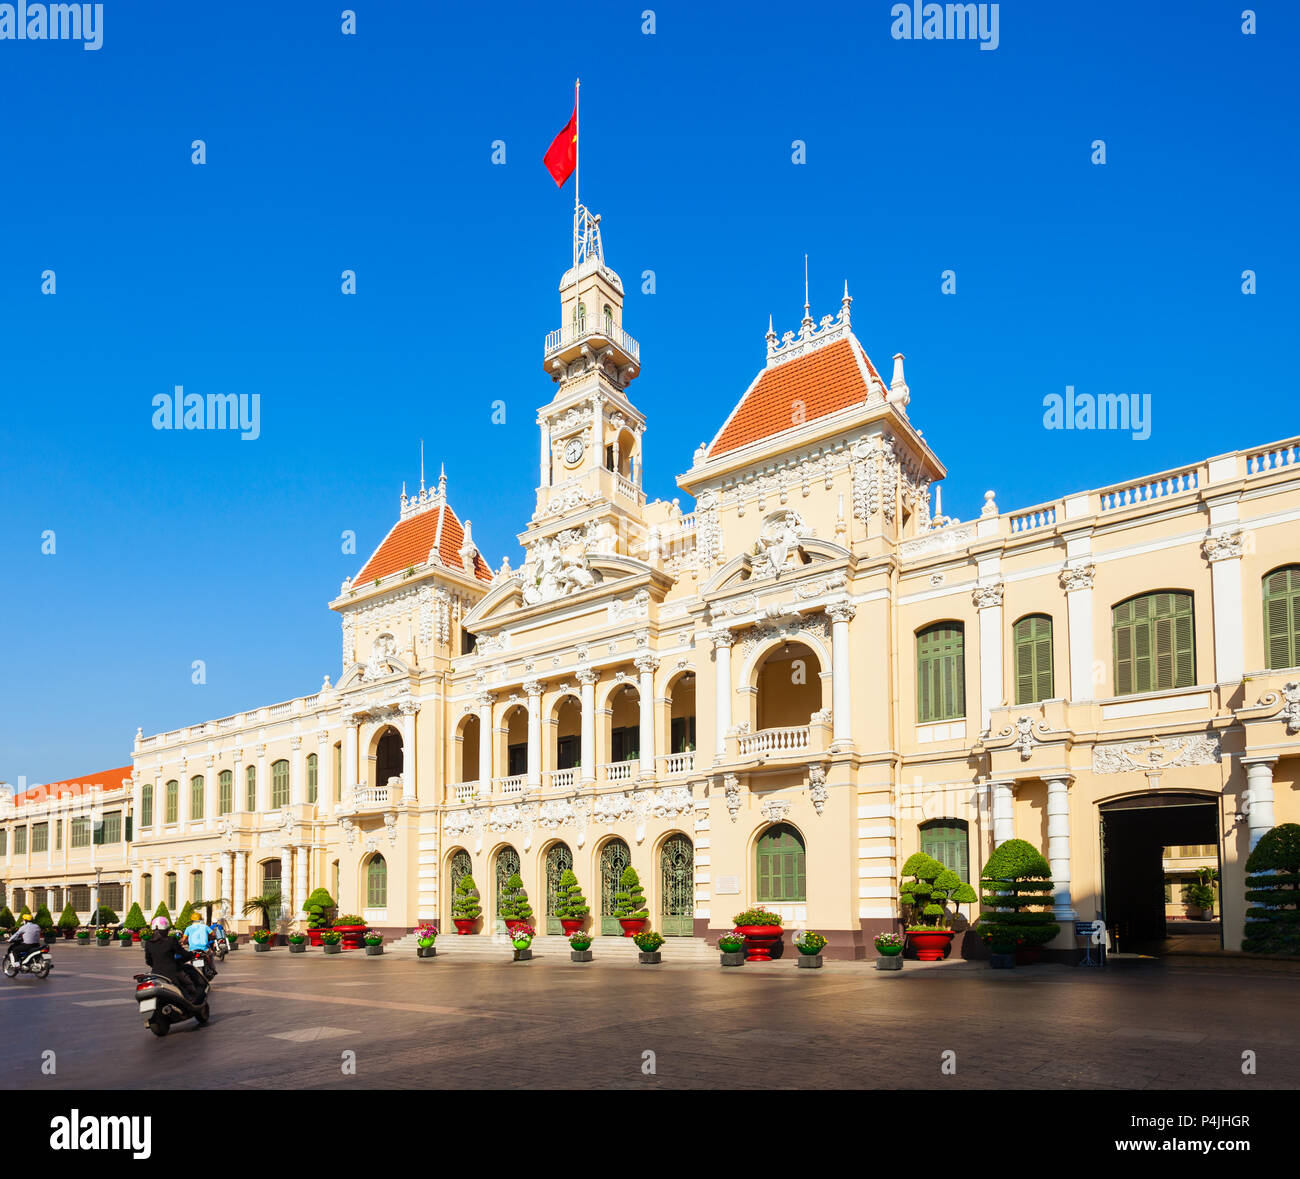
{"x": 1223, "y": 546}
{"x": 1143, "y": 756}
{"x": 1078, "y": 577}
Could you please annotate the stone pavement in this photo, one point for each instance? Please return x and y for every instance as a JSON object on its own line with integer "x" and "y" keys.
{"x": 284, "y": 1021}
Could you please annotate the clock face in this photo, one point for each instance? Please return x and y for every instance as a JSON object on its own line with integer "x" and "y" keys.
{"x": 573, "y": 451}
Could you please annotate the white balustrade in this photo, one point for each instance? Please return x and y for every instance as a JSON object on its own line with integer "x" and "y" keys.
{"x": 1035, "y": 518}
{"x": 792, "y": 739}
{"x": 1287, "y": 454}
{"x": 562, "y": 779}
{"x": 622, "y": 771}
{"x": 466, "y": 791}
{"x": 513, "y": 785}
{"x": 1146, "y": 490}
{"x": 371, "y": 795}
{"x": 679, "y": 763}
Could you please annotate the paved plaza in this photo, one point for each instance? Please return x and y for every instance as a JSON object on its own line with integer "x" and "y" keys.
{"x": 282, "y": 1021}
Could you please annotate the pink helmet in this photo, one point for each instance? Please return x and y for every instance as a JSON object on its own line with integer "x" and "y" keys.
{"x": 160, "y": 923}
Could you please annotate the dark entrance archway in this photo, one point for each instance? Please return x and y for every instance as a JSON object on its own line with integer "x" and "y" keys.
{"x": 1135, "y": 832}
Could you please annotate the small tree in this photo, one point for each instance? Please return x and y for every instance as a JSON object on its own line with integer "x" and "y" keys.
{"x": 68, "y": 919}
{"x": 134, "y": 918}
{"x": 43, "y": 918}
{"x": 103, "y": 916}
{"x": 514, "y": 901}
{"x": 268, "y": 905}
{"x": 629, "y": 900}
{"x": 933, "y": 887}
{"x": 6, "y": 918}
{"x": 1017, "y": 894}
{"x": 464, "y": 901}
{"x": 186, "y": 916}
{"x": 1273, "y": 881}
{"x": 570, "y": 902}
{"x": 319, "y": 909}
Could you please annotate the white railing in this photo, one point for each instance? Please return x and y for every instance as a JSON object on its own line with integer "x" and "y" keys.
{"x": 562, "y": 779}
{"x": 279, "y": 710}
{"x": 1035, "y": 518}
{"x": 370, "y": 795}
{"x": 788, "y": 740}
{"x": 1285, "y": 455}
{"x": 679, "y": 763}
{"x": 1146, "y": 490}
{"x": 466, "y": 791}
{"x": 513, "y": 785}
{"x": 582, "y": 328}
{"x": 626, "y": 487}
{"x": 622, "y": 771}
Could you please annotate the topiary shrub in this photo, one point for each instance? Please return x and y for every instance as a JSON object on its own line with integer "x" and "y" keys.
{"x": 629, "y": 900}
{"x": 6, "y": 919}
{"x": 1273, "y": 881}
{"x": 464, "y": 901}
{"x": 163, "y": 911}
{"x": 43, "y": 918}
{"x": 134, "y": 918}
{"x": 319, "y": 909}
{"x": 1016, "y": 887}
{"x": 926, "y": 896}
{"x": 570, "y": 902}
{"x": 103, "y": 916}
{"x": 68, "y": 919}
{"x": 186, "y": 916}
{"x": 514, "y": 901}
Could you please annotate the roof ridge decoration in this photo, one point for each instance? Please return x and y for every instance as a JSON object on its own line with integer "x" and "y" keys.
{"x": 810, "y": 337}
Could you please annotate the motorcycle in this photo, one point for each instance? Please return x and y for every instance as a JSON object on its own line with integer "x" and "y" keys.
{"x": 204, "y": 965}
{"x": 220, "y": 946}
{"x": 38, "y": 964}
{"x": 163, "y": 1003}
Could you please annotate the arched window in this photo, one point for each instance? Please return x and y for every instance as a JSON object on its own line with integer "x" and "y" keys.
{"x": 580, "y": 317}
{"x": 146, "y": 889}
{"x": 1154, "y": 643}
{"x": 196, "y": 797}
{"x": 279, "y": 784}
{"x": 311, "y": 777}
{"x": 1282, "y": 618}
{"x": 196, "y": 888}
{"x": 781, "y": 866}
{"x": 377, "y": 883}
{"x": 146, "y": 805}
{"x": 947, "y": 841}
{"x": 1032, "y": 639}
{"x": 609, "y": 320}
{"x": 250, "y": 788}
{"x": 388, "y": 757}
{"x": 338, "y": 775}
{"x": 171, "y": 893}
{"x": 225, "y": 792}
{"x": 173, "y": 801}
{"x": 940, "y": 672}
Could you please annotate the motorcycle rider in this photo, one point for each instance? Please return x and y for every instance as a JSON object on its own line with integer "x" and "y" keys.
{"x": 198, "y": 938}
{"x": 164, "y": 955}
{"x": 25, "y": 940}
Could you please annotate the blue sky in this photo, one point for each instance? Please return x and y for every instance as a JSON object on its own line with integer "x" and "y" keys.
{"x": 373, "y": 153}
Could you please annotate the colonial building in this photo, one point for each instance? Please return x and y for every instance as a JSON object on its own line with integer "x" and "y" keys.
{"x": 771, "y": 699}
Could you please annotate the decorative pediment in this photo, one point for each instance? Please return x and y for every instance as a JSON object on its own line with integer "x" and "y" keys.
{"x": 757, "y": 568}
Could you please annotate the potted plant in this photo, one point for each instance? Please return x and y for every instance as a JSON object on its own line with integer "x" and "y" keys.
{"x": 425, "y": 936}
{"x": 374, "y": 943}
{"x": 83, "y": 936}
{"x": 162, "y": 911}
{"x": 1272, "y": 877}
{"x": 580, "y": 946}
{"x": 1015, "y": 918}
{"x": 629, "y": 903}
{"x": 7, "y": 920}
{"x": 331, "y": 942}
{"x": 648, "y": 942}
{"x": 105, "y": 916}
{"x": 103, "y": 936}
{"x": 465, "y": 909}
{"x": 761, "y": 929}
{"x": 267, "y": 907}
{"x": 124, "y": 938}
{"x": 135, "y": 921}
{"x": 889, "y": 947}
{"x": 572, "y": 907}
{"x": 515, "y": 909}
{"x": 353, "y": 928}
{"x": 186, "y": 917}
{"x": 925, "y": 899}
{"x": 810, "y": 945}
{"x": 521, "y": 937}
{"x": 261, "y": 940}
{"x": 68, "y": 922}
{"x": 319, "y": 910}
{"x": 731, "y": 947}
{"x": 46, "y": 922}
{"x": 297, "y": 942}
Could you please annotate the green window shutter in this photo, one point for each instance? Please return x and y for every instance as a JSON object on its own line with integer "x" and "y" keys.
{"x": 377, "y": 884}
{"x": 225, "y": 791}
{"x": 196, "y": 797}
{"x": 1154, "y": 643}
{"x": 279, "y": 784}
{"x": 781, "y": 866}
{"x": 146, "y": 805}
{"x": 1033, "y": 659}
{"x": 940, "y": 673}
{"x": 311, "y": 777}
{"x": 1282, "y": 618}
{"x": 173, "y": 800}
{"x": 338, "y": 773}
{"x": 947, "y": 842}
{"x": 250, "y": 778}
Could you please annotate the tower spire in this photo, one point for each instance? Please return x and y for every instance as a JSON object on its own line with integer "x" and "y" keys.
{"x": 806, "y": 325}
{"x": 421, "y": 468}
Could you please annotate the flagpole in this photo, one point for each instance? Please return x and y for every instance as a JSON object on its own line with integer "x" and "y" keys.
{"x": 577, "y": 144}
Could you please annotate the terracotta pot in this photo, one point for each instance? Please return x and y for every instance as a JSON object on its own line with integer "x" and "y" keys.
{"x": 1028, "y": 955}
{"x": 760, "y": 940}
{"x": 931, "y": 945}
{"x": 570, "y": 925}
{"x": 632, "y": 925}
{"x": 464, "y": 925}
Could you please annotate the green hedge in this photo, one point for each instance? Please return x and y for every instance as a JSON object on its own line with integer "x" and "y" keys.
{"x": 1273, "y": 881}
{"x": 1016, "y": 897}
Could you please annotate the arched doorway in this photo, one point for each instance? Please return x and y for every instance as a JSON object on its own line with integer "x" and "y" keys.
{"x": 507, "y": 864}
{"x": 677, "y": 886}
{"x": 780, "y": 866}
{"x": 388, "y": 756}
{"x": 559, "y": 859}
{"x": 1153, "y": 846}
{"x": 614, "y": 858}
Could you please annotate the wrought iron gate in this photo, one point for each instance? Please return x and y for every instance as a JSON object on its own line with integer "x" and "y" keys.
{"x": 507, "y": 866}
{"x": 558, "y": 860}
{"x": 613, "y": 859}
{"x": 677, "y": 887}
{"x": 460, "y": 868}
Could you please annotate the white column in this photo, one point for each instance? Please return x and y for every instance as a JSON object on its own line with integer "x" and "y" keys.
{"x": 1259, "y": 796}
{"x": 646, "y": 664}
{"x": 1004, "y": 819}
{"x": 1058, "y": 845}
{"x": 722, "y": 640}
{"x": 841, "y": 613}
{"x": 297, "y": 772}
{"x": 323, "y": 767}
{"x": 211, "y": 887}
{"x": 241, "y": 884}
{"x": 300, "y": 881}
{"x": 350, "y": 724}
{"x": 227, "y": 888}
{"x": 286, "y": 879}
{"x": 534, "y": 691}
{"x": 238, "y": 788}
{"x": 263, "y": 783}
{"x": 409, "y": 710}
{"x": 1077, "y": 583}
{"x": 544, "y": 476}
{"x": 988, "y": 601}
{"x": 1224, "y": 555}
{"x": 587, "y": 680}
{"x": 485, "y": 742}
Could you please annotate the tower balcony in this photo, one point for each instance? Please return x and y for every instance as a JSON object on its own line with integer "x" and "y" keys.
{"x": 567, "y": 343}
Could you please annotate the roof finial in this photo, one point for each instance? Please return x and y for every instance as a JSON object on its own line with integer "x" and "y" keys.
{"x": 845, "y": 304}
{"x": 442, "y": 481}
{"x": 421, "y": 468}
{"x": 806, "y": 325}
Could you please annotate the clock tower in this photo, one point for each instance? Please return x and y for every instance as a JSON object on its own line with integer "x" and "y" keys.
{"x": 589, "y": 493}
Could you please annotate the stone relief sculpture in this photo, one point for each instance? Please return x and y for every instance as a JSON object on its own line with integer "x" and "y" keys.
{"x": 550, "y": 574}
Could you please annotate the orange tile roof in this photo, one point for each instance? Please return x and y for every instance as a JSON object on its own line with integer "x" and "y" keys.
{"x": 409, "y": 541}
{"x": 797, "y": 391}
{"x": 105, "y": 779}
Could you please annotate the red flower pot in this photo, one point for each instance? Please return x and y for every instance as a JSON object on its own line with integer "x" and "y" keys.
{"x": 931, "y": 945}
{"x": 465, "y": 925}
{"x": 632, "y": 925}
{"x": 313, "y": 936}
{"x": 1028, "y": 955}
{"x": 513, "y": 923}
{"x": 135, "y": 935}
{"x": 570, "y": 925}
{"x": 760, "y": 940}
{"x": 351, "y": 936}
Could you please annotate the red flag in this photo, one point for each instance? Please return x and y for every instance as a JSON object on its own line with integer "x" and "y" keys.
{"x": 562, "y": 156}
